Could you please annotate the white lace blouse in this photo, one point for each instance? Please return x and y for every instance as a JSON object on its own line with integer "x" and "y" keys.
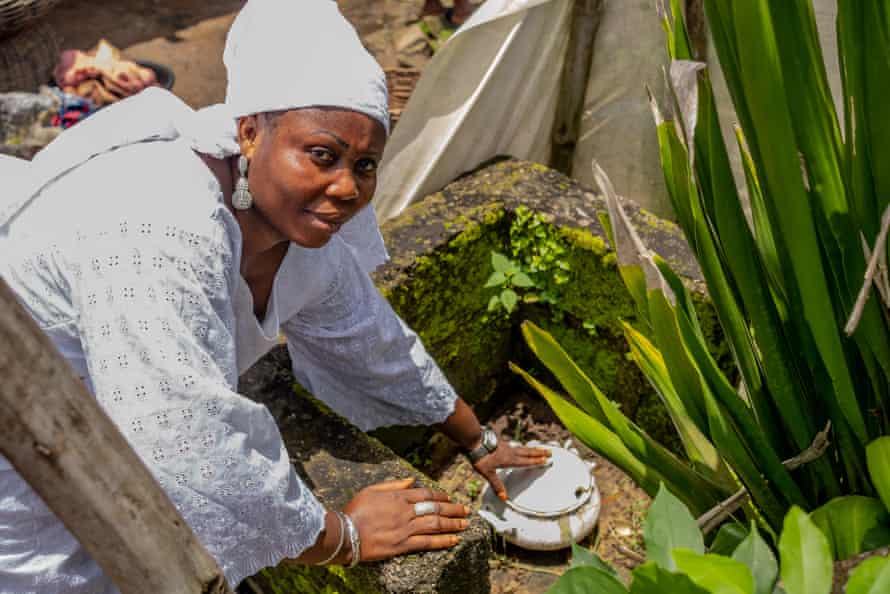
{"x": 130, "y": 263}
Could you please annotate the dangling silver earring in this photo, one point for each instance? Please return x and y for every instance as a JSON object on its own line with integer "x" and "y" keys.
{"x": 241, "y": 197}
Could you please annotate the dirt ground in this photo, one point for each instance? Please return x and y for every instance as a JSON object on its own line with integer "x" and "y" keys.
{"x": 618, "y": 537}
{"x": 188, "y": 36}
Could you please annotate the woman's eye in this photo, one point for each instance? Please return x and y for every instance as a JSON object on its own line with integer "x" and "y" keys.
{"x": 366, "y": 166}
{"x": 323, "y": 155}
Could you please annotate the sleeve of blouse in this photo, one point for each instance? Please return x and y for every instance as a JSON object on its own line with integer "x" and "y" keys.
{"x": 351, "y": 350}
{"x": 156, "y": 325}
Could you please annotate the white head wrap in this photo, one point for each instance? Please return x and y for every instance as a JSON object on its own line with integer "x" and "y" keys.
{"x": 286, "y": 54}
{"x": 280, "y": 55}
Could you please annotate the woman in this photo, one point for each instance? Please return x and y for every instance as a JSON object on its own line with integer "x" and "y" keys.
{"x": 164, "y": 250}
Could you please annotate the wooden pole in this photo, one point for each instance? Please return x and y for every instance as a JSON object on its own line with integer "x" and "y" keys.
{"x": 61, "y": 442}
{"x": 573, "y": 85}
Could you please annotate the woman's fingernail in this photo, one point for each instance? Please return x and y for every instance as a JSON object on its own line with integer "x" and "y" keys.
{"x": 455, "y": 540}
{"x": 464, "y": 524}
{"x": 503, "y": 495}
{"x": 466, "y": 510}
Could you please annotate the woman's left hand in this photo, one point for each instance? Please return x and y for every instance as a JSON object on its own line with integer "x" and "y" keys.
{"x": 508, "y": 456}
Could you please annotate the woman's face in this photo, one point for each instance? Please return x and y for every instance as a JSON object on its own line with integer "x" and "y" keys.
{"x": 311, "y": 170}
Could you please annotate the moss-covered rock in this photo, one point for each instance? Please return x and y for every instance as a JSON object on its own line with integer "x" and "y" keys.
{"x": 441, "y": 251}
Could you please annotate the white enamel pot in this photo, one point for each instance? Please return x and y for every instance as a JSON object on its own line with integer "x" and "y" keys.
{"x": 551, "y": 506}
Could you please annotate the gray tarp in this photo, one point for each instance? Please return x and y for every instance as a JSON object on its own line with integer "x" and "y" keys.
{"x": 491, "y": 90}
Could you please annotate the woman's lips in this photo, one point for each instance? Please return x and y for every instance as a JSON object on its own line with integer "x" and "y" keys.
{"x": 330, "y": 221}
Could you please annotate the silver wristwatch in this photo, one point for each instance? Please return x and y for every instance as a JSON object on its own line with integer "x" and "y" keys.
{"x": 489, "y": 444}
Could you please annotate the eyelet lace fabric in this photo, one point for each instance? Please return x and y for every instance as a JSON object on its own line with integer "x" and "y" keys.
{"x": 141, "y": 297}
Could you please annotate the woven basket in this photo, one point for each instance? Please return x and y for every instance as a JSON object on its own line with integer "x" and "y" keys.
{"x": 27, "y": 59}
{"x": 16, "y": 14}
{"x": 400, "y": 83}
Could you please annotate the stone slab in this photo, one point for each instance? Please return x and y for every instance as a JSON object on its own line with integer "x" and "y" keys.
{"x": 336, "y": 460}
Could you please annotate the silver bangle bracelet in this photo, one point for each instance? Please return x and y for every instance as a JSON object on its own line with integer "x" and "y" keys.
{"x": 340, "y": 544}
{"x": 354, "y": 541}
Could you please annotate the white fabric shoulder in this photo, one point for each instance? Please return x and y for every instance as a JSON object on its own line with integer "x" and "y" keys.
{"x": 148, "y": 297}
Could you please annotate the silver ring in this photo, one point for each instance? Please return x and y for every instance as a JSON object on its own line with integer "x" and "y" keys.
{"x": 424, "y": 508}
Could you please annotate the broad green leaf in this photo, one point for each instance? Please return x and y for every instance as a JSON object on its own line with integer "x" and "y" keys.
{"x": 521, "y": 279}
{"x": 669, "y": 526}
{"x": 715, "y": 573}
{"x": 872, "y": 576}
{"x": 494, "y": 303}
{"x": 495, "y": 280}
{"x": 845, "y": 522}
{"x": 759, "y": 558}
{"x": 805, "y": 555}
{"x": 500, "y": 262}
{"x": 877, "y": 456}
{"x": 729, "y": 537}
{"x": 509, "y": 299}
{"x": 650, "y": 578}
{"x": 582, "y": 557}
{"x": 585, "y": 580}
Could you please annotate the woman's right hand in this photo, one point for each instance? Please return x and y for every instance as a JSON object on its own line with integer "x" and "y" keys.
{"x": 387, "y": 525}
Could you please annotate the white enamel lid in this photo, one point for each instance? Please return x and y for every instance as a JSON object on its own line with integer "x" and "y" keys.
{"x": 561, "y": 487}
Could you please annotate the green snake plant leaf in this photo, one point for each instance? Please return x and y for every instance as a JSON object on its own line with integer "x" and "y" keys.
{"x": 584, "y": 580}
{"x": 872, "y": 576}
{"x": 846, "y": 521}
{"x": 759, "y": 558}
{"x": 669, "y": 526}
{"x": 805, "y": 555}
{"x": 596, "y": 435}
{"x": 592, "y": 400}
{"x": 714, "y": 573}
{"x": 683, "y": 191}
{"x": 864, "y": 41}
{"x": 575, "y": 382}
{"x": 745, "y": 424}
{"x": 772, "y": 140}
{"x": 651, "y": 578}
{"x": 877, "y": 456}
{"x": 698, "y": 448}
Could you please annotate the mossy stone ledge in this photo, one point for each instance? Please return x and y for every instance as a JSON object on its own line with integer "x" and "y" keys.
{"x": 336, "y": 460}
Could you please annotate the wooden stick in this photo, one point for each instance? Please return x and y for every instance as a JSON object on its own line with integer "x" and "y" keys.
{"x": 630, "y": 554}
{"x": 61, "y": 442}
{"x": 878, "y": 254}
{"x": 573, "y": 82}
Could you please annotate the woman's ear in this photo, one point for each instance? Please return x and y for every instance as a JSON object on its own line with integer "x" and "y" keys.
{"x": 248, "y": 135}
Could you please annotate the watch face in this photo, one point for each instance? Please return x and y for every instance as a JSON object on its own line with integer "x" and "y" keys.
{"x": 490, "y": 440}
